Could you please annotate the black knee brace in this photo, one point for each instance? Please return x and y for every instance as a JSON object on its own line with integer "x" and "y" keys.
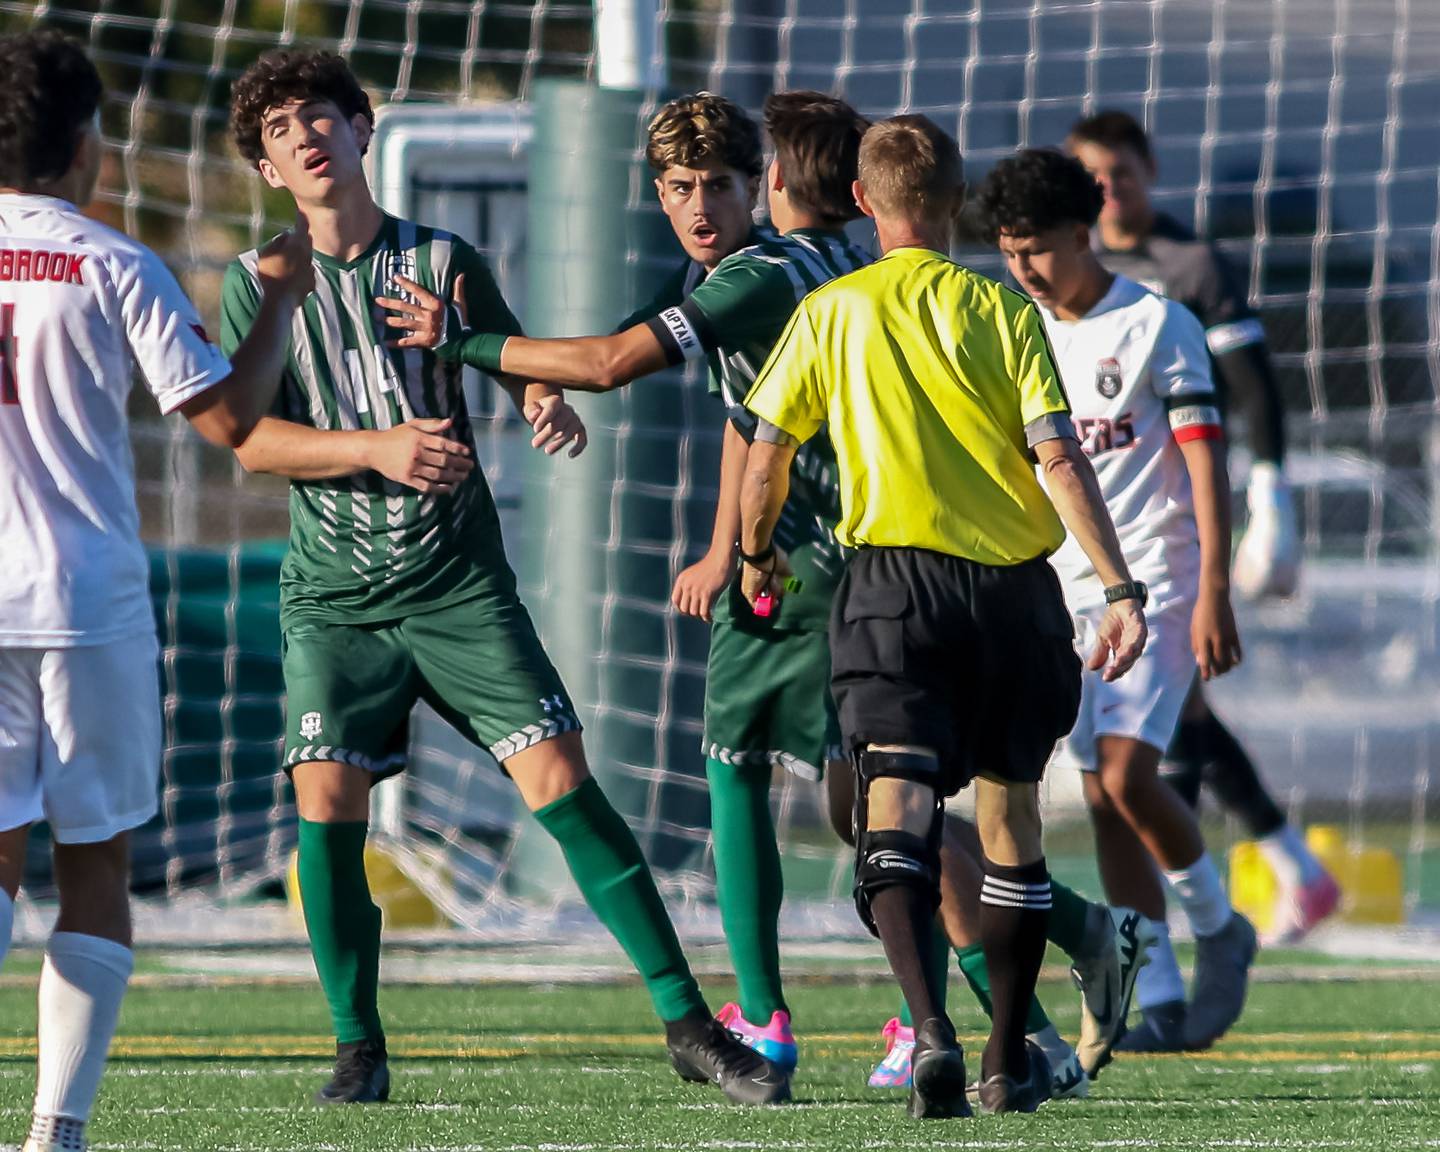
{"x": 894, "y": 857}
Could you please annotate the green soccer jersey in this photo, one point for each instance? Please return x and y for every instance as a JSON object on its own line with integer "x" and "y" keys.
{"x": 364, "y": 549}
{"x": 733, "y": 317}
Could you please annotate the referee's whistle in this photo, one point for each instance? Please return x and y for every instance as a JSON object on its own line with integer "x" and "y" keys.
{"x": 764, "y": 603}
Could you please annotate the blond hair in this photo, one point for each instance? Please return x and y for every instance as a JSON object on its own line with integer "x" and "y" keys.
{"x": 911, "y": 169}
{"x": 703, "y": 128}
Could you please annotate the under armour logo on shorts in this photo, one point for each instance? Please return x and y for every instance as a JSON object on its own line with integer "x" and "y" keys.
{"x": 552, "y": 704}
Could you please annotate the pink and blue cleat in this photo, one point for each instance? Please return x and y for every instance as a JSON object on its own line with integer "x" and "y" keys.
{"x": 775, "y": 1041}
{"x": 894, "y": 1070}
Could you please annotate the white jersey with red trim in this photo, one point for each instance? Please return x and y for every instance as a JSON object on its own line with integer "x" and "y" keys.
{"x": 80, "y": 305}
{"x": 1137, "y": 373}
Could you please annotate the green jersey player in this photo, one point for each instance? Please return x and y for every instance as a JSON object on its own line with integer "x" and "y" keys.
{"x": 396, "y": 587}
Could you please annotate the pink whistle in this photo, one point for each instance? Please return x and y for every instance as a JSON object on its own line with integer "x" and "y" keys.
{"x": 764, "y": 603}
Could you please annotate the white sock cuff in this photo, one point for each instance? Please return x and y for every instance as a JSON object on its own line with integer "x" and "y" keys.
{"x": 109, "y": 954}
{"x": 1201, "y": 894}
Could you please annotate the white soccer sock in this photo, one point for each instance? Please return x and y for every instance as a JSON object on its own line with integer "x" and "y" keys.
{"x": 1290, "y": 858}
{"x": 1160, "y": 982}
{"x": 1202, "y": 896}
{"x": 7, "y": 924}
{"x": 1049, "y": 1041}
{"x": 81, "y": 986}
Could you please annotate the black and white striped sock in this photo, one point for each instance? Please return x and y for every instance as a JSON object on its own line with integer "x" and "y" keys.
{"x": 1014, "y": 911}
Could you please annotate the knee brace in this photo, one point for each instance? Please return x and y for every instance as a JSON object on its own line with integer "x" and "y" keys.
{"x": 890, "y": 857}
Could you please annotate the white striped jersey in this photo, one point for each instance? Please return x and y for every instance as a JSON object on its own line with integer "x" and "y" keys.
{"x": 364, "y": 549}
{"x": 1137, "y": 373}
{"x": 80, "y": 306}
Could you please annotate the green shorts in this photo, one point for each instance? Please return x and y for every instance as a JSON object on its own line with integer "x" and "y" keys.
{"x": 479, "y": 664}
{"x": 767, "y": 697}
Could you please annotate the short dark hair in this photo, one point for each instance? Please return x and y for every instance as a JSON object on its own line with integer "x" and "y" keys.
{"x": 49, "y": 92}
{"x": 817, "y": 141}
{"x": 1037, "y": 190}
{"x": 1111, "y": 129}
{"x": 703, "y": 128}
{"x": 911, "y": 168}
{"x": 279, "y": 77}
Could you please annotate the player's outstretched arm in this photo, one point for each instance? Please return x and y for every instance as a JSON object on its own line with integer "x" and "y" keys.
{"x": 428, "y": 323}
{"x": 228, "y": 413}
{"x": 1076, "y": 494}
{"x": 1213, "y": 634}
{"x": 584, "y": 363}
{"x": 700, "y": 585}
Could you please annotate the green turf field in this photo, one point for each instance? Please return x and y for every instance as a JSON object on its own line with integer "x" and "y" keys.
{"x": 1332, "y": 1063}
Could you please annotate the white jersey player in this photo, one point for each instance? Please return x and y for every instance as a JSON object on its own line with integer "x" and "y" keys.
{"x": 1136, "y": 371}
{"x": 81, "y": 306}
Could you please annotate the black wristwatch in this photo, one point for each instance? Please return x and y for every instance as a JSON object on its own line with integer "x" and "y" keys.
{"x": 758, "y": 558}
{"x": 1129, "y": 590}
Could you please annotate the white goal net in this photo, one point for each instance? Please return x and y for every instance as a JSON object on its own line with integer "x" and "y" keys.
{"x": 1300, "y": 133}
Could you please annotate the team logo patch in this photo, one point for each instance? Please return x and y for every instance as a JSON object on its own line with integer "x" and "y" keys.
{"x": 310, "y": 725}
{"x": 1107, "y": 377}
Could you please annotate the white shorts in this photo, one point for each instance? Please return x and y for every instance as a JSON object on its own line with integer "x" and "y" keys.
{"x": 80, "y": 738}
{"x": 1144, "y": 704}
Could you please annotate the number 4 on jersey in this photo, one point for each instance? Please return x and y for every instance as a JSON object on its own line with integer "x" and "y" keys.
{"x": 9, "y": 385}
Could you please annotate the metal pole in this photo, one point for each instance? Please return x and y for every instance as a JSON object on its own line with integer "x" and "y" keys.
{"x": 629, "y": 52}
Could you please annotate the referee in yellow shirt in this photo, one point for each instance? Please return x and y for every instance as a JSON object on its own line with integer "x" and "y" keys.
{"x": 951, "y": 645}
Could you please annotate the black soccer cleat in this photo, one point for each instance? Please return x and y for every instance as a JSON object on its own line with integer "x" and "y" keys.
{"x": 362, "y": 1075}
{"x": 704, "y": 1052}
{"x": 1000, "y": 1093}
{"x": 1161, "y": 1029}
{"x": 937, "y": 1073}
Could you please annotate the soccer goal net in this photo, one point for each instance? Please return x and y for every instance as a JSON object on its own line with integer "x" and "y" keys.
{"x": 1301, "y": 135}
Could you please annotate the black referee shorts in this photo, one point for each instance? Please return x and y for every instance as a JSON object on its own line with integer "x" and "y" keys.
{"x": 975, "y": 661}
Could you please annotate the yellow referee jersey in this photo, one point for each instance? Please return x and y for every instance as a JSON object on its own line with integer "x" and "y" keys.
{"x": 928, "y": 375}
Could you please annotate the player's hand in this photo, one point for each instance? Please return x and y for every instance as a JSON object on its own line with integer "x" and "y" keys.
{"x": 419, "y": 455}
{"x": 1267, "y": 562}
{"x": 423, "y": 318}
{"x": 756, "y": 580}
{"x": 1121, "y": 638}
{"x": 1213, "y": 635}
{"x": 700, "y": 585}
{"x": 285, "y": 265}
{"x": 556, "y": 424}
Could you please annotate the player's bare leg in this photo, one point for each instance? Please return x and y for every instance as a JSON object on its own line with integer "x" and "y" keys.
{"x": 1129, "y": 784}
{"x": 1014, "y": 909}
{"x": 87, "y": 967}
{"x": 611, "y": 873}
{"x": 12, "y": 869}
{"x": 1204, "y": 751}
{"x": 343, "y": 923}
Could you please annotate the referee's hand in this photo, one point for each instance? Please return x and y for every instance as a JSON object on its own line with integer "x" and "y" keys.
{"x": 1122, "y": 635}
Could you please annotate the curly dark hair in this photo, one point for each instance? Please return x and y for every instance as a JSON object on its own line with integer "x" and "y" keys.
{"x": 704, "y": 128}
{"x": 49, "y": 92}
{"x": 817, "y": 139}
{"x": 1036, "y": 190}
{"x": 279, "y": 77}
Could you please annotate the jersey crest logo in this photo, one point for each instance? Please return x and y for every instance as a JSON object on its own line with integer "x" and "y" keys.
{"x": 1107, "y": 377}
{"x": 310, "y": 725}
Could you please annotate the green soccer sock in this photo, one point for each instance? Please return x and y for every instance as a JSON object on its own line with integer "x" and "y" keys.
{"x": 343, "y": 924}
{"x": 748, "y": 883}
{"x": 977, "y": 975}
{"x": 1069, "y": 912}
{"x": 612, "y": 875}
{"x": 939, "y": 968}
